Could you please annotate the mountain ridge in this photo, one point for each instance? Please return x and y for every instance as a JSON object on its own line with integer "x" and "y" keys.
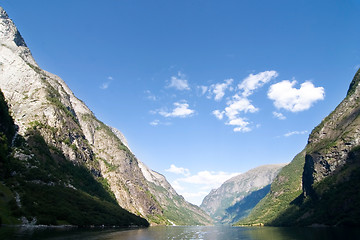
{"x": 219, "y": 202}
{"x": 42, "y": 101}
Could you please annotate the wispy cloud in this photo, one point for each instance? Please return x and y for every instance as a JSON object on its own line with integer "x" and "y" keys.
{"x": 279, "y": 115}
{"x": 105, "y": 85}
{"x": 181, "y": 109}
{"x": 150, "y": 95}
{"x": 178, "y": 170}
{"x": 295, "y": 133}
{"x": 252, "y": 82}
{"x": 179, "y": 82}
{"x": 155, "y": 122}
{"x": 286, "y": 96}
{"x": 203, "y": 89}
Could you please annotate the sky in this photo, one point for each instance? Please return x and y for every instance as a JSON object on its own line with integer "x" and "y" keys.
{"x": 203, "y": 90}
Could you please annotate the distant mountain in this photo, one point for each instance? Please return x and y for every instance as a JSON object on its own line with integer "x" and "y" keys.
{"x": 47, "y": 113}
{"x": 235, "y": 198}
{"x": 321, "y": 185}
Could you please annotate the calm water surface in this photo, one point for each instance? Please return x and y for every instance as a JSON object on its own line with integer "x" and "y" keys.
{"x": 181, "y": 232}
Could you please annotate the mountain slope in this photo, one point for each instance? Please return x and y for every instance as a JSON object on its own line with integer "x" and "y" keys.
{"x": 227, "y": 203}
{"x": 42, "y": 102}
{"x": 327, "y": 191}
{"x": 39, "y": 186}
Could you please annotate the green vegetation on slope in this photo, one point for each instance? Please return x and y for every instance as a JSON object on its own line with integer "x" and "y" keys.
{"x": 335, "y": 201}
{"x": 243, "y": 208}
{"x": 285, "y": 188}
{"x": 41, "y": 186}
{"x": 175, "y": 210}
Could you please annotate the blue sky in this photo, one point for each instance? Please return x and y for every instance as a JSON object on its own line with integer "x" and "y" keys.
{"x": 201, "y": 89}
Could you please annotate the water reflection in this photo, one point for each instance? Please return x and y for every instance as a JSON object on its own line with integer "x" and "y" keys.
{"x": 181, "y": 232}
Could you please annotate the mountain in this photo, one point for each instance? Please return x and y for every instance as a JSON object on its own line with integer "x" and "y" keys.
{"x": 237, "y": 196}
{"x": 42, "y": 103}
{"x": 40, "y": 186}
{"x": 320, "y": 186}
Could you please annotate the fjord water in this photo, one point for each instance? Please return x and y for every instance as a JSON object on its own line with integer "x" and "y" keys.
{"x": 181, "y": 232}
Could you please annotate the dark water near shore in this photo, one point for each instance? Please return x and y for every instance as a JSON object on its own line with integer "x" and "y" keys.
{"x": 181, "y": 232}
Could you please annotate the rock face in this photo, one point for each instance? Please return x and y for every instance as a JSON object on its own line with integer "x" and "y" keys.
{"x": 42, "y": 101}
{"x": 325, "y": 176}
{"x": 223, "y": 204}
{"x": 331, "y": 142}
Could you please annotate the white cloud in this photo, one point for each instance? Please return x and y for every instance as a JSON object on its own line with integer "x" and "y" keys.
{"x": 106, "y": 84}
{"x": 176, "y": 185}
{"x": 195, "y": 187}
{"x": 295, "y": 133}
{"x": 181, "y": 110}
{"x": 150, "y": 96}
{"x": 240, "y": 123}
{"x": 219, "y": 115}
{"x": 279, "y": 115}
{"x": 292, "y": 99}
{"x": 237, "y": 105}
{"x": 203, "y": 89}
{"x": 155, "y": 122}
{"x": 252, "y": 82}
{"x": 179, "y": 82}
{"x": 220, "y": 88}
{"x": 178, "y": 170}
{"x": 208, "y": 179}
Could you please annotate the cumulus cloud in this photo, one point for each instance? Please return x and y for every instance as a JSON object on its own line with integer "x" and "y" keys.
{"x": 219, "y": 115}
{"x": 179, "y": 82}
{"x": 178, "y": 170}
{"x": 220, "y": 88}
{"x": 286, "y": 96}
{"x": 240, "y": 123}
{"x": 181, "y": 109}
{"x": 295, "y": 133}
{"x": 279, "y": 115}
{"x": 236, "y": 106}
{"x": 252, "y": 82}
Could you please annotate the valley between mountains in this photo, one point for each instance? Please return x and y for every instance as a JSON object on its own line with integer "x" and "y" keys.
{"x": 60, "y": 165}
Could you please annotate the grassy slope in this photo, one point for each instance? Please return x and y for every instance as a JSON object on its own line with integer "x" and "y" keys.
{"x": 285, "y": 188}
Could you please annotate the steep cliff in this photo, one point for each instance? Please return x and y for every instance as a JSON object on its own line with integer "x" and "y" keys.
{"x": 237, "y": 196}
{"x": 42, "y": 102}
{"x": 39, "y": 186}
{"x": 327, "y": 188}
